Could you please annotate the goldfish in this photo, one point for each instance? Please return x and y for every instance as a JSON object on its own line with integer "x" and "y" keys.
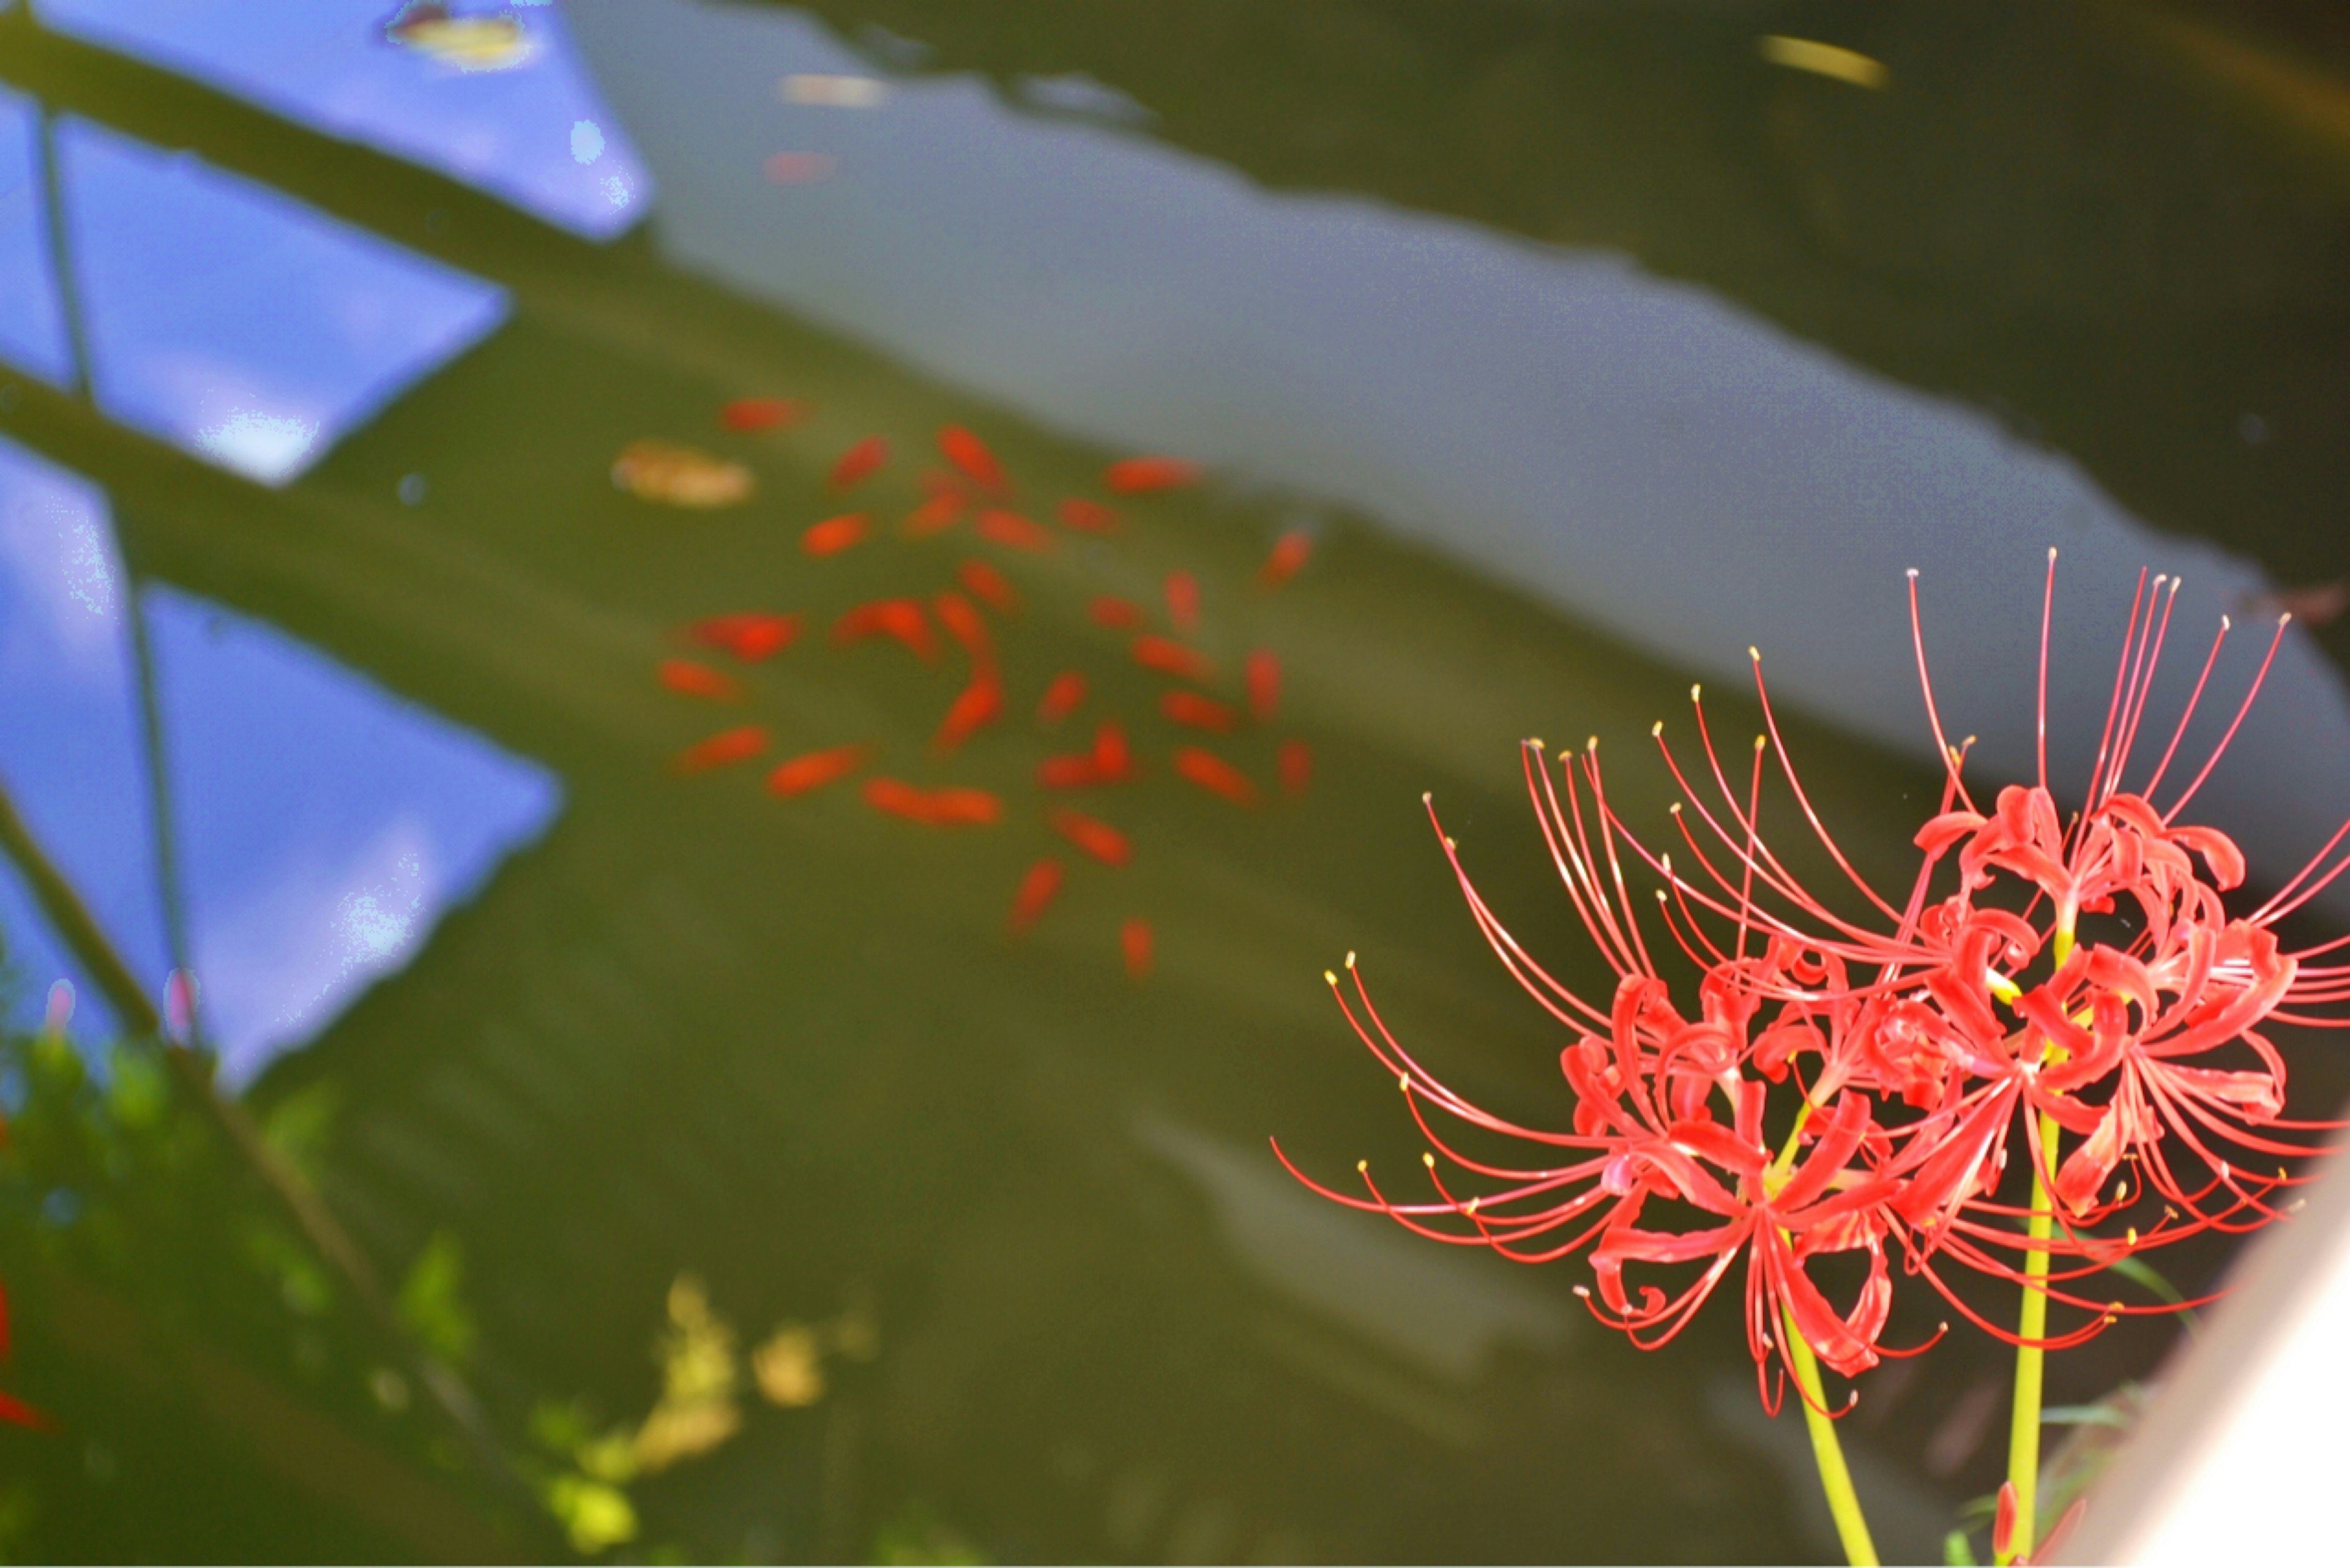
{"x": 1088, "y": 517}
{"x": 462, "y": 43}
{"x": 1297, "y": 764}
{"x": 988, "y": 587}
{"x": 1169, "y": 657}
{"x": 1111, "y": 758}
{"x": 1197, "y": 712}
{"x": 1141, "y": 475}
{"x": 1036, "y": 893}
{"x": 857, "y": 462}
{"x": 963, "y": 624}
{"x": 901, "y": 618}
{"x": 980, "y": 703}
{"x": 1061, "y": 697}
{"x": 1289, "y": 553}
{"x": 1134, "y": 939}
{"x": 748, "y": 414}
{"x": 969, "y": 454}
{"x": 680, "y": 476}
{"x": 1263, "y": 683}
{"x": 814, "y": 769}
{"x": 1012, "y": 531}
{"x": 1096, "y": 837}
{"x": 689, "y": 678}
{"x": 941, "y": 512}
{"x": 749, "y": 635}
{"x": 1118, "y": 615}
{"x": 834, "y": 534}
{"x": 952, "y": 806}
{"x": 738, "y": 745}
{"x": 1215, "y": 775}
{"x": 1108, "y": 762}
{"x": 1182, "y": 600}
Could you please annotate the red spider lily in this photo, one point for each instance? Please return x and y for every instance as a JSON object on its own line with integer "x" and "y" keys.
{"x": 1920, "y": 1032}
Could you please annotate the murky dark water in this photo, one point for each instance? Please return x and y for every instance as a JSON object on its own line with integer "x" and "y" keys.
{"x": 1587, "y": 345}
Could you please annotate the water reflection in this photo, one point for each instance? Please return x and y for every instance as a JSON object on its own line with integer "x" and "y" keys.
{"x": 69, "y": 734}
{"x": 1641, "y": 453}
{"x": 235, "y": 323}
{"x": 323, "y": 826}
{"x": 489, "y": 95}
{"x": 33, "y": 335}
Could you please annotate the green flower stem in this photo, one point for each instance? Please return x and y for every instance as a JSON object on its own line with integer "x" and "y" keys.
{"x": 2031, "y": 1324}
{"x": 2031, "y": 1321}
{"x": 1836, "y": 1480}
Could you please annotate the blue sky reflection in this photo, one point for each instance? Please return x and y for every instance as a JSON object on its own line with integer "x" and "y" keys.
{"x": 32, "y": 318}
{"x": 504, "y": 126}
{"x": 324, "y": 825}
{"x": 238, "y": 324}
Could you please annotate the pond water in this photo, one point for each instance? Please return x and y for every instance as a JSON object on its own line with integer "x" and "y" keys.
{"x": 1563, "y": 351}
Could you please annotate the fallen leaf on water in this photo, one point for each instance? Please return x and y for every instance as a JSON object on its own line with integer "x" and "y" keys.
{"x": 680, "y": 476}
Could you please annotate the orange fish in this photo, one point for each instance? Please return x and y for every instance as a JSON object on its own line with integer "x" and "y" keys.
{"x": 1012, "y": 531}
{"x": 949, "y": 807}
{"x": 980, "y": 703}
{"x": 1297, "y": 766}
{"x": 689, "y": 678}
{"x": 1141, "y": 475}
{"x": 1134, "y": 938}
{"x": 1096, "y": 838}
{"x": 763, "y": 413}
{"x": 963, "y": 624}
{"x": 1108, "y": 762}
{"x": 727, "y": 746}
{"x": 859, "y": 461}
{"x": 970, "y": 453}
{"x": 1088, "y": 517}
{"x": 988, "y": 587}
{"x": 834, "y": 534}
{"x": 1118, "y": 615}
{"x": 814, "y": 769}
{"x": 1183, "y": 600}
{"x": 1289, "y": 553}
{"x": 1263, "y": 683}
{"x": 1061, "y": 697}
{"x": 901, "y": 618}
{"x": 1198, "y": 712}
{"x": 1171, "y": 658}
{"x": 749, "y": 636}
{"x": 1112, "y": 761}
{"x": 1036, "y": 890}
{"x": 941, "y": 512}
{"x": 1215, "y": 775}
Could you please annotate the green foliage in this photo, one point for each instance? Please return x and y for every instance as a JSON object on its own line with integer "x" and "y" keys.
{"x": 915, "y": 1534}
{"x": 432, "y": 1304}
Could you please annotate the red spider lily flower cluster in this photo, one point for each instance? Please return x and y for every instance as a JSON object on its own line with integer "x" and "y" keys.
{"x": 2075, "y": 993}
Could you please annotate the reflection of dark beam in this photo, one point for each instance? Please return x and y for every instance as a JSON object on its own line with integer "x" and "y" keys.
{"x": 368, "y": 582}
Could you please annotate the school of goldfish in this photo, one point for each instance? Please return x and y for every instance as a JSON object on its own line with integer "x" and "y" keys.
{"x": 956, "y": 627}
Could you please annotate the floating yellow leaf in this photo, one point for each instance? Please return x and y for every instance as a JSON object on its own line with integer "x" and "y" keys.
{"x": 680, "y": 476}
{"x": 790, "y": 1366}
{"x": 1823, "y": 60}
